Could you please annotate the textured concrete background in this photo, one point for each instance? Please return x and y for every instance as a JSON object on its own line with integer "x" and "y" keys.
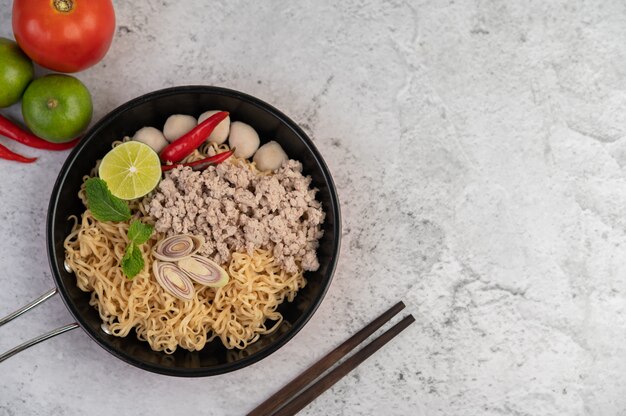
{"x": 479, "y": 152}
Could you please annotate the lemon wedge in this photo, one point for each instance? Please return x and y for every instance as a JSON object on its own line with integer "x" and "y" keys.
{"x": 131, "y": 170}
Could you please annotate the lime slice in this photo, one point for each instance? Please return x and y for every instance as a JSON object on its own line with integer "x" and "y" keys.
{"x": 131, "y": 170}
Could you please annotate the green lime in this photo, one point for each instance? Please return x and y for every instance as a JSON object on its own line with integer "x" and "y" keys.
{"x": 57, "y": 107}
{"x": 16, "y": 71}
{"x": 131, "y": 170}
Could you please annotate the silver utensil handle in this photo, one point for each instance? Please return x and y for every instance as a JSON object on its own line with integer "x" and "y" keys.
{"x": 37, "y": 340}
{"x": 41, "y": 299}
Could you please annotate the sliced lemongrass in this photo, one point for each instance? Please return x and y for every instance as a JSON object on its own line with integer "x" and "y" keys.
{"x": 177, "y": 247}
{"x": 204, "y": 271}
{"x": 173, "y": 280}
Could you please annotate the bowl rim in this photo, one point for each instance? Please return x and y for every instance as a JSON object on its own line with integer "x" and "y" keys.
{"x": 78, "y": 150}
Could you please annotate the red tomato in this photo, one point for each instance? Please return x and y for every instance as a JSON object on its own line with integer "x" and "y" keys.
{"x": 64, "y": 35}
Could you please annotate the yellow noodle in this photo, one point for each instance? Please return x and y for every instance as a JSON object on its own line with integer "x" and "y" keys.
{"x": 236, "y": 313}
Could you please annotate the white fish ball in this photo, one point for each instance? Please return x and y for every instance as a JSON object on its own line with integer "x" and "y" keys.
{"x": 270, "y": 156}
{"x": 177, "y": 125}
{"x": 220, "y": 133}
{"x": 152, "y": 137}
{"x": 244, "y": 138}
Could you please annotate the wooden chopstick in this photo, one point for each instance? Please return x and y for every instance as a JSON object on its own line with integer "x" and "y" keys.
{"x": 294, "y": 386}
{"x": 326, "y": 382}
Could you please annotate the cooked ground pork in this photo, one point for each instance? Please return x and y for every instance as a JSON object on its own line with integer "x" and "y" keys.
{"x": 238, "y": 210}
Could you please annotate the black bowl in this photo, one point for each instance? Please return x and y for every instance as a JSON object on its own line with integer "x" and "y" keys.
{"x": 152, "y": 110}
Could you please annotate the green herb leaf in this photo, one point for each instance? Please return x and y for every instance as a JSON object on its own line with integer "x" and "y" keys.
{"x": 132, "y": 262}
{"x": 103, "y": 204}
{"x": 138, "y": 232}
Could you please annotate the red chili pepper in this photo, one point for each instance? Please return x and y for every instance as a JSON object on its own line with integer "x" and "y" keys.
{"x": 187, "y": 143}
{"x": 7, "y": 154}
{"x": 10, "y": 130}
{"x": 202, "y": 163}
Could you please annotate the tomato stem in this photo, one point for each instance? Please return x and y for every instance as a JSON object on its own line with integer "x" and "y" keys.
{"x": 63, "y": 6}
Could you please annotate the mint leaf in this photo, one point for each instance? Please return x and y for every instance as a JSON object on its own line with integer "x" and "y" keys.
{"x": 138, "y": 232}
{"x": 132, "y": 262}
{"x": 103, "y": 204}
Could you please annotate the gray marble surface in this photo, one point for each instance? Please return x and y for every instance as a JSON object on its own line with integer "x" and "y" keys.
{"x": 479, "y": 152}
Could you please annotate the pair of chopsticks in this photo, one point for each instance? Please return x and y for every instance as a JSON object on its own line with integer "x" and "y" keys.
{"x": 287, "y": 401}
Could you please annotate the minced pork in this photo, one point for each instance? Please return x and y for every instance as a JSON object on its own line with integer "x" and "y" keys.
{"x": 237, "y": 210}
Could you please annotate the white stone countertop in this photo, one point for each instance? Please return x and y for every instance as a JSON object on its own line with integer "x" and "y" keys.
{"x": 479, "y": 152}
